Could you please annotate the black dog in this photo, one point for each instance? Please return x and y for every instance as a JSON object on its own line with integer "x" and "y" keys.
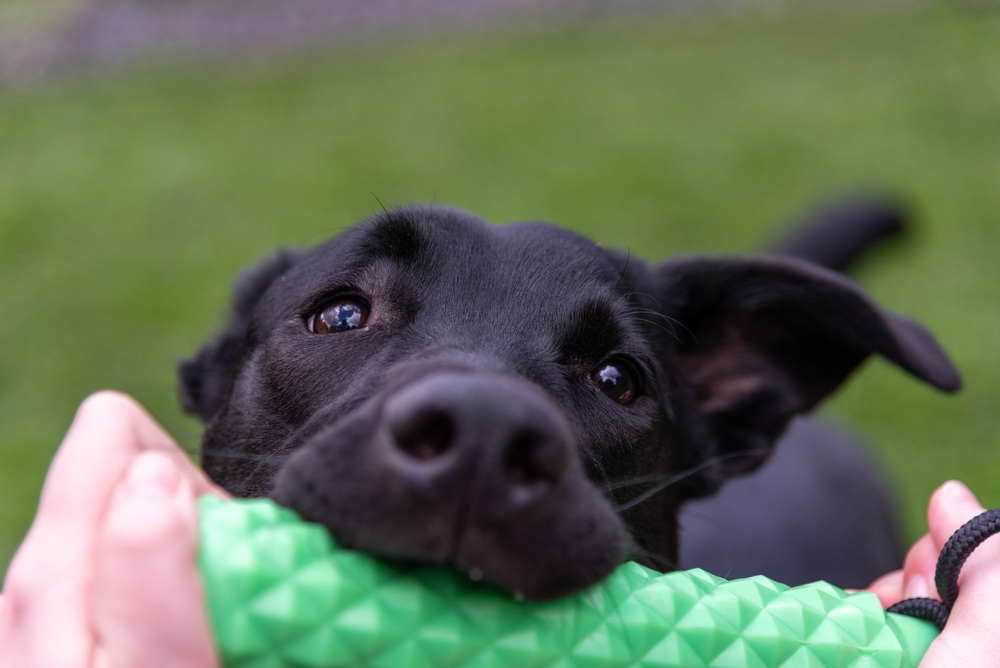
{"x": 518, "y": 401}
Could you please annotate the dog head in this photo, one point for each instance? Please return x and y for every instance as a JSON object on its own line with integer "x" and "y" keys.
{"x": 516, "y": 400}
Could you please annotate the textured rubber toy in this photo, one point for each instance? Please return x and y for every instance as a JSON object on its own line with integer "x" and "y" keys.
{"x": 281, "y": 594}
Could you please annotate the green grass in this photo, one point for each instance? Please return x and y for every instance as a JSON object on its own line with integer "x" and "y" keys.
{"x": 128, "y": 203}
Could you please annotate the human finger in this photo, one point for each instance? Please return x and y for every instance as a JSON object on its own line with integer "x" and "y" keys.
{"x": 47, "y": 580}
{"x": 149, "y": 607}
{"x": 952, "y": 505}
{"x": 888, "y": 588}
{"x": 918, "y": 569}
{"x": 109, "y": 430}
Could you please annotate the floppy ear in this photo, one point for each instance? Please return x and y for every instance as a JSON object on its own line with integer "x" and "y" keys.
{"x": 761, "y": 340}
{"x": 205, "y": 378}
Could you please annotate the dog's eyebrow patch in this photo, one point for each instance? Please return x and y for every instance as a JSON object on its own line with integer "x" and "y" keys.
{"x": 393, "y": 236}
{"x": 593, "y": 332}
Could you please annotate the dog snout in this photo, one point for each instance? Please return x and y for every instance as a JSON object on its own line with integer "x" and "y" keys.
{"x": 499, "y": 434}
{"x": 475, "y": 469}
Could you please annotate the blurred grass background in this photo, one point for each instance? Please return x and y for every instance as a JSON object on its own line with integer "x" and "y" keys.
{"x": 128, "y": 202}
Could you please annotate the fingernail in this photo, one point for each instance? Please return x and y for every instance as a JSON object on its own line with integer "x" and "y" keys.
{"x": 955, "y": 491}
{"x": 917, "y": 587}
{"x": 956, "y": 487}
{"x": 152, "y": 475}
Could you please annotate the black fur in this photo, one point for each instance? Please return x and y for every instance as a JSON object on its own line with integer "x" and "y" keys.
{"x": 463, "y": 423}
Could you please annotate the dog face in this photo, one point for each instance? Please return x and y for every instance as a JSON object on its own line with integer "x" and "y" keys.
{"x": 517, "y": 401}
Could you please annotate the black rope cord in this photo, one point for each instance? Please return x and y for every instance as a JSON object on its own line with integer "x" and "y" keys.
{"x": 949, "y": 565}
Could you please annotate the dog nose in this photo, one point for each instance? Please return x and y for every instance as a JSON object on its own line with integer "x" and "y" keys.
{"x": 498, "y": 435}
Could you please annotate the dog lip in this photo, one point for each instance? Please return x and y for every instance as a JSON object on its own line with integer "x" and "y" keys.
{"x": 459, "y": 525}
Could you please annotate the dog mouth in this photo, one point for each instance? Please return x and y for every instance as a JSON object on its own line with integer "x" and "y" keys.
{"x": 547, "y": 552}
{"x": 478, "y": 472}
{"x": 538, "y": 561}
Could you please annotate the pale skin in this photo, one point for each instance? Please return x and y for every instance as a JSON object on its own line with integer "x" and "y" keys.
{"x": 106, "y": 576}
{"x": 972, "y": 634}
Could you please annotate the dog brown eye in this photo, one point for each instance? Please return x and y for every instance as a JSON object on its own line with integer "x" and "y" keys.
{"x": 617, "y": 380}
{"x": 342, "y": 315}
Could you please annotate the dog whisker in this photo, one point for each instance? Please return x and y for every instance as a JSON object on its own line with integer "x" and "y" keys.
{"x": 659, "y": 304}
{"x": 653, "y": 312}
{"x": 673, "y": 322}
{"x": 628, "y": 258}
{"x": 674, "y": 479}
{"x": 671, "y": 332}
{"x": 650, "y": 312}
{"x": 659, "y": 477}
{"x": 294, "y": 435}
{"x": 384, "y": 210}
{"x": 246, "y": 456}
{"x": 659, "y": 310}
{"x": 630, "y": 482}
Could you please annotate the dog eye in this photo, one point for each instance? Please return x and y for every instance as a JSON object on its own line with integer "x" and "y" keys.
{"x": 342, "y": 315}
{"x": 617, "y": 379}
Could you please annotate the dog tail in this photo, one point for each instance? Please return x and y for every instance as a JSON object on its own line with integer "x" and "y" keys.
{"x": 837, "y": 234}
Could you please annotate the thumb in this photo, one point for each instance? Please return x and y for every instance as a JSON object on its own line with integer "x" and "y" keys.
{"x": 149, "y": 609}
{"x": 951, "y": 506}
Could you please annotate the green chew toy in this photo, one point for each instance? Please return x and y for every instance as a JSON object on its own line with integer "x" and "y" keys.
{"x": 282, "y": 595}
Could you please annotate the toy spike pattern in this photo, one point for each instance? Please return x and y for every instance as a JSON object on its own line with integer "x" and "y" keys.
{"x": 282, "y": 595}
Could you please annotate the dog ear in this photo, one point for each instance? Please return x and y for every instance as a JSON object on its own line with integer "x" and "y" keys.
{"x": 761, "y": 340}
{"x": 205, "y": 378}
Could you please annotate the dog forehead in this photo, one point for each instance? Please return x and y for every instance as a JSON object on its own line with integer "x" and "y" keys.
{"x": 470, "y": 256}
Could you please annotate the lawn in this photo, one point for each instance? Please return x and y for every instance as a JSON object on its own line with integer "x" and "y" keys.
{"x": 128, "y": 202}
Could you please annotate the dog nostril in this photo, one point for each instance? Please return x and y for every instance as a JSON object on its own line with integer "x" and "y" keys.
{"x": 525, "y": 462}
{"x": 427, "y": 437}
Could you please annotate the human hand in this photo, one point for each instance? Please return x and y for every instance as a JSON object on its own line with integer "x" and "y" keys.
{"x": 972, "y": 635}
{"x": 106, "y": 577}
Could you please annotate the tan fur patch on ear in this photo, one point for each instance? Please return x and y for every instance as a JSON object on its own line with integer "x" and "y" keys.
{"x": 729, "y": 391}
{"x": 728, "y": 370}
